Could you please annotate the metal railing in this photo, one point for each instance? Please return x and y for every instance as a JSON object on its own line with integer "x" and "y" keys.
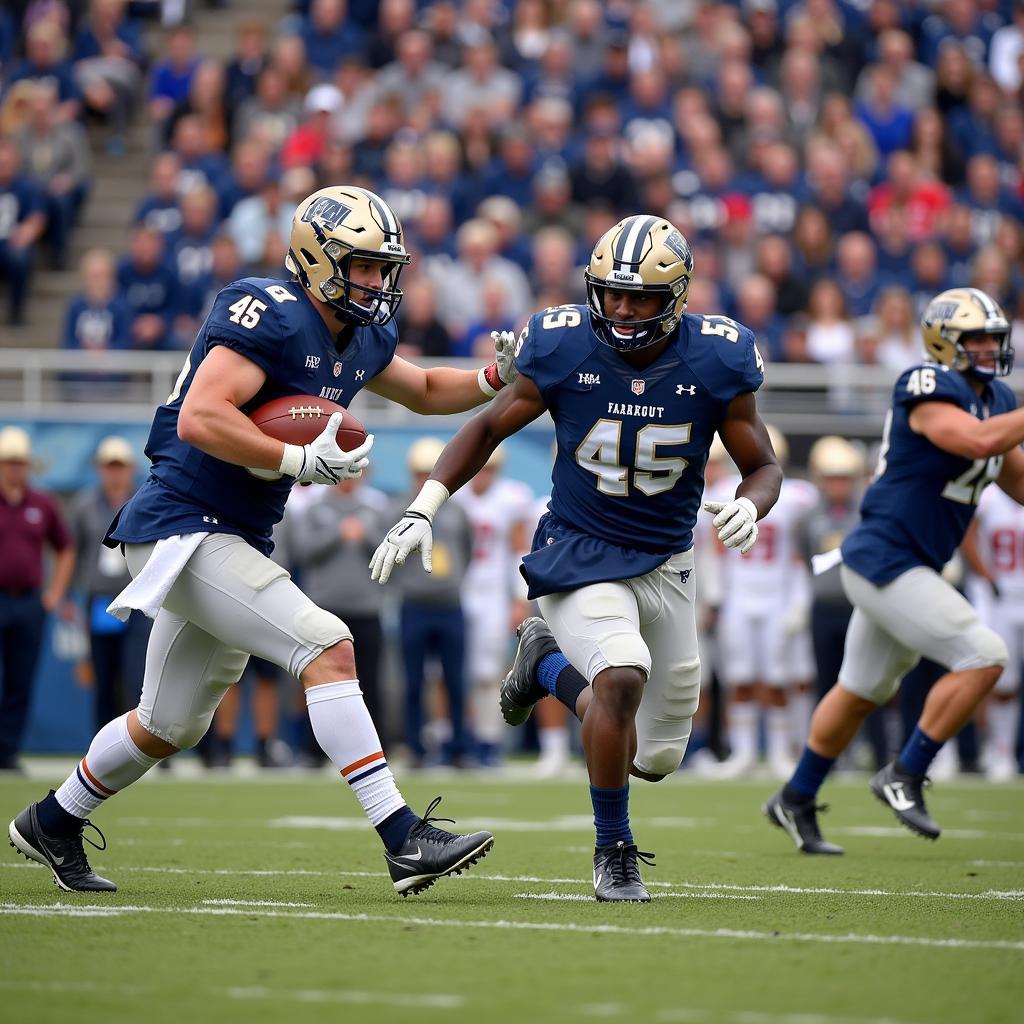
{"x": 124, "y": 387}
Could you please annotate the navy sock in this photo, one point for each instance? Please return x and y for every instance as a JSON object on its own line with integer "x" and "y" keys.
{"x": 918, "y": 752}
{"x": 611, "y": 815}
{"x": 810, "y": 773}
{"x": 394, "y": 829}
{"x": 560, "y": 679}
{"x": 54, "y": 820}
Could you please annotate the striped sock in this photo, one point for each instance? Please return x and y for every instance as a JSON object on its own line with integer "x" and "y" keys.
{"x": 112, "y": 763}
{"x": 346, "y": 733}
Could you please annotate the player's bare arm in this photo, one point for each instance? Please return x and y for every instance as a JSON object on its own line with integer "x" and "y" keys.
{"x": 211, "y": 418}
{"x": 970, "y": 549}
{"x": 444, "y": 389}
{"x": 462, "y": 459}
{"x": 956, "y": 431}
{"x": 1011, "y": 476}
{"x": 746, "y": 440}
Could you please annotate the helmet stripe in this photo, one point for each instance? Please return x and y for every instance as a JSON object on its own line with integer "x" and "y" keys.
{"x": 630, "y": 249}
{"x": 387, "y": 217}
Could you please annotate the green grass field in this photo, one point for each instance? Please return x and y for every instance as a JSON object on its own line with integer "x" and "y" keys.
{"x": 252, "y": 900}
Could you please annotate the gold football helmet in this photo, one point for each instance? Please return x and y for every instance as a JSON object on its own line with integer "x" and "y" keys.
{"x": 647, "y": 255}
{"x": 958, "y": 313}
{"x": 835, "y": 456}
{"x": 331, "y": 228}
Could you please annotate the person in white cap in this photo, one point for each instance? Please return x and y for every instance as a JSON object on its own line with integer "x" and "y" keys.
{"x": 117, "y": 650}
{"x": 30, "y": 522}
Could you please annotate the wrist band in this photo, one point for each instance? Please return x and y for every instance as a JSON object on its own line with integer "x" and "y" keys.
{"x": 433, "y": 494}
{"x": 293, "y": 461}
{"x": 490, "y": 380}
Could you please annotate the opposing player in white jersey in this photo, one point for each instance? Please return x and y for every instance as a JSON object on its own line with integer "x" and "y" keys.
{"x": 493, "y": 594}
{"x": 763, "y": 645}
{"x": 994, "y": 549}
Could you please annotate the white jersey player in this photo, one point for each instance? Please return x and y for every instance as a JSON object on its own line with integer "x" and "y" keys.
{"x": 762, "y": 628}
{"x": 493, "y": 592}
{"x": 994, "y": 548}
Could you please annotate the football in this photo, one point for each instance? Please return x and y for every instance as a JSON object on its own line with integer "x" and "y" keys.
{"x": 300, "y": 419}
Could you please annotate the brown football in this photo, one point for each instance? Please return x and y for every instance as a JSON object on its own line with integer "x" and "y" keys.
{"x": 300, "y": 419}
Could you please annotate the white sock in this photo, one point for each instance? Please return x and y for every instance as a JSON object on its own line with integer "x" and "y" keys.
{"x": 779, "y": 737}
{"x": 1002, "y": 727}
{"x": 112, "y": 763}
{"x": 554, "y": 742}
{"x": 346, "y": 734}
{"x": 743, "y": 730}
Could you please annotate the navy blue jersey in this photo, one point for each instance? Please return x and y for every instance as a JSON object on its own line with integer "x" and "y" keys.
{"x": 922, "y": 499}
{"x": 276, "y": 326}
{"x": 632, "y": 444}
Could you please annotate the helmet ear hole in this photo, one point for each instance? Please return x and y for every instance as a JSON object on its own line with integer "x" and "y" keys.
{"x": 309, "y": 258}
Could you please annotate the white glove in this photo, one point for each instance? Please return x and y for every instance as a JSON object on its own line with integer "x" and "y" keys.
{"x": 735, "y": 522}
{"x": 505, "y": 355}
{"x": 322, "y": 461}
{"x": 411, "y": 532}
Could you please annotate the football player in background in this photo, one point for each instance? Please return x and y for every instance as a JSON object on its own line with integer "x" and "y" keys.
{"x": 498, "y": 509}
{"x": 952, "y": 429}
{"x": 994, "y": 550}
{"x": 763, "y": 646}
{"x": 197, "y": 534}
{"x": 636, "y": 388}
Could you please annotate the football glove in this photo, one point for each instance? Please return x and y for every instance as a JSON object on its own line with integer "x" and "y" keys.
{"x": 735, "y": 521}
{"x": 322, "y": 461}
{"x": 411, "y": 532}
{"x": 505, "y": 355}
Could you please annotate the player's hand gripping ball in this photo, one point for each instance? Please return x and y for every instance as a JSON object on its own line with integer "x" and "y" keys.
{"x": 330, "y": 444}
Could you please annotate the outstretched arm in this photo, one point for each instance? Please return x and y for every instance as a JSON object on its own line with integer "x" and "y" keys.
{"x": 746, "y": 440}
{"x": 955, "y": 430}
{"x": 462, "y": 459}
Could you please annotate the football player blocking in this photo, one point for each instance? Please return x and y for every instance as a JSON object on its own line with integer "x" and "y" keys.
{"x": 197, "y": 533}
{"x": 951, "y": 431}
{"x": 637, "y": 389}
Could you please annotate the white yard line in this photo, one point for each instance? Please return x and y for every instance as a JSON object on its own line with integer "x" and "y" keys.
{"x": 654, "y": 896}
{"x": 951, "y": 943}
{"x": 252, "y": 903}
{"x": 683, "y": 1015}
{"x": 788, "y": 890}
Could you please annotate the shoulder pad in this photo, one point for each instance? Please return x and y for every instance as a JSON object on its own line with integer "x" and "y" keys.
{"x": 553, "y": 342}
{"x": 931, "y": 382}
{"x": 247, "y": 317}
{"x": 726, "y": 353}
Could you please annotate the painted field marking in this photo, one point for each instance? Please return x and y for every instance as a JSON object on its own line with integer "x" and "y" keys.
{"x": 253, "y": 903}
{"x": 748, "y": 935}
{"x": 684, "y": 1015}
{"x": 654, "y": 896}
{"x": 788, "y": 890}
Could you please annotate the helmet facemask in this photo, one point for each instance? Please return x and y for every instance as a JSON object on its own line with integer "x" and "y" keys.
{"x": 630, "y": 335}
{"x": 967, "y": 361}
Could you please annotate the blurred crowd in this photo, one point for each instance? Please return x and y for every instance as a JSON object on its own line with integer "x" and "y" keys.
{"x": 832, "y": 162}
{"x": 433, "y": 648}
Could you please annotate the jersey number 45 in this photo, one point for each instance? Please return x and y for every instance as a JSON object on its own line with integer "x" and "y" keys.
{"x": 599, "y": 453}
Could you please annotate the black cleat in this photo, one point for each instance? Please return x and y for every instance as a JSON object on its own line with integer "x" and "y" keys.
{"x": 901, "y": 791}
{"x": 429, "y": 853}
{"x": 520, "y": 690}
{"x": 617, "y": 874}
{"x": 63, "y": 855}
{"x": 800, "y": 823}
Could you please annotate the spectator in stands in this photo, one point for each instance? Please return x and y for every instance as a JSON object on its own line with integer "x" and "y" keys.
{"x": 777, "y": 190}
{"x": 22, "y": 222}
{"x": 160, "y": 208}
{"x": 493, "y": 317}
{"x": 775, "y": 261}
{"x": 959, "y": 241}
{"x": 991, "y": 272}
{"x": 108, "y": 57}
{"x": 800, "y": 86}
{"x": 919, "y": 200}
{"x": 270, "y": 115}
{"x": 44, "y": 62}
{"x": 259, "y": 225}
{"x": 934, "y": 150}
{"x": 56, "y": 157}
{"x": 1006, "y": 52}
{"x": 914, "y": 82}
{"x": 828, "y": 179}
{"x": 830, "y": 335}
{"x": 432, "y": 621}
{"x": 30, "y": 523}
{"x": 413, "y": 74}
{"x": 507, "y": 219}
{"x": 288, "y": 56}
{"x": 150, "y": 288}
{"x": 246, "y": 66}
{"x": 171, "y": 78}
{"x": 929, "y": 275}
{"x": 421, "y": 333}
{"x": 987, "y": 198}
{"x": 306, "y": 143}
{"x": 953, "y": 74}
{"x": 900, "y": 343}
{"x": 601, "y": 173}
{"x": 812, "y": 244}
{"x": 117, "y": 650}
{"x": 889, "y": 123}
{"x": 554, "y": 269}
{"x": 329, "y": 35}
{"x": 189, "y": 253}
{"x": 857, "y": 271}
{"x": 250, "y": 167}
{"x": 755, "y": 308}
{"x": 97, "y": 318}
{"x": 200, "y": 165}
{"x": 481, "y": 83}
{"x": 205, "y": 101}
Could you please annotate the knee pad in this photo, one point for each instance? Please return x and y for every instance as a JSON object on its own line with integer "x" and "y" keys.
{"x": 626, "y": 650}
{"x": 317, "y": 630}
{"x": 989, "y": 649}
{"x": 661, "y": 757}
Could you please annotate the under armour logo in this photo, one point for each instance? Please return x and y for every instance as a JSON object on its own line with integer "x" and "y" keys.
{"x": 683, "y": 389}
{"x": 359, "y": 374}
